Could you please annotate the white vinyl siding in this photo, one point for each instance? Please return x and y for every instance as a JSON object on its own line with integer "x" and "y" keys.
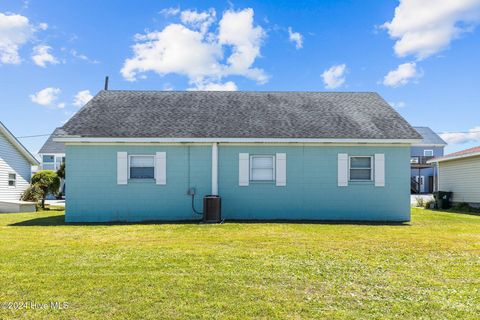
{"x": 462, "y": 177}
{"x": 12, "y": 162}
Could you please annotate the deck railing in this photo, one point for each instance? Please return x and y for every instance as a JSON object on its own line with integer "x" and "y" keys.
{"x": 420, "y": 160}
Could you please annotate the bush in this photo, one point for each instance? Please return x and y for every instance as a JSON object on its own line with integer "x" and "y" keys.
{"x": 48, "y": 182}
{"x": 429, "y": 204}
{"x": 464, "y": 207}
{"x": 419, "y": 202}
{"x": 33, "y": 193}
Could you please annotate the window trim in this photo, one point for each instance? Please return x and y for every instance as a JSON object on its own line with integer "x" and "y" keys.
{"x": 350, "y": 169}
{"x": 55, "y": 164}
{"x": 14, "y": 180}
{"x": 250, "y": 178}
{"x": 426, "y": 151}
{"x": 142, "y": 155}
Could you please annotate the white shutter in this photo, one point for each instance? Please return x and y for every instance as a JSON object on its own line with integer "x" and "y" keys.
{"x": 243, "y": 169}
{"x": 379, "y": 170}
{"x": 122, "y": 168}
{"x": 161, "y": 168}
{"x": 281, "y": 169}
{"x": 342, "y": 169}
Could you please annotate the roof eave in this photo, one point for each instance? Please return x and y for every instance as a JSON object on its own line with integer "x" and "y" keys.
{"x": 18, "y": 145}
{"x": 447, "y": 158}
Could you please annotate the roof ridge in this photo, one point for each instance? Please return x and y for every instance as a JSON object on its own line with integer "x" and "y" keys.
{"x": 239, "y": 91}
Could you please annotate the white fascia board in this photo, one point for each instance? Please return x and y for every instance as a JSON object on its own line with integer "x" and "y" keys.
{"x": 11, "y": 138}
{"x": 429, "y": 145}
{"x": 468, "y": 155}
{"x": 231, "y": 140}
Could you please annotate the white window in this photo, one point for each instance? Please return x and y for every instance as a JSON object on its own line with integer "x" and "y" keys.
{"x": 262, "y": 168}
{"x": 48, "y": 162}
{"x": 142, "y": 167}
{"x": 12, "y": 179}
{"x": 361, "y": 168}
{"x": 428, "y": 153}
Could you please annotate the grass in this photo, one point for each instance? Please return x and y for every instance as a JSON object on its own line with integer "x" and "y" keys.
{"x": 428, "y": 269}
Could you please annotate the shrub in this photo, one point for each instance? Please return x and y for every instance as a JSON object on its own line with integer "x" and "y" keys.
{"x": 420, "y": 202}
{"x": 47, "y": 181}
{"x": 429, "y": 204}
{"x": 61, "y": 171}
{"x": 33, "y": 193}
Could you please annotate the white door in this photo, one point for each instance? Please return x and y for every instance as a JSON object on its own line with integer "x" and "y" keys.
{"x": 421, "y": 182}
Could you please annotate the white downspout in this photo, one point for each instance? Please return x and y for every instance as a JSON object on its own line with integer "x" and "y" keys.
{"x": 215, "y": 169}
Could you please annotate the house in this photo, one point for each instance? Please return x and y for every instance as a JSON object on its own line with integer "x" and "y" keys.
{"x": 423, "y": 174}
{"x": 136, "y": 155}
{"x": 459, "y": 173}
{"x": 52, "y": 155}
{"x": 15, "y": 172}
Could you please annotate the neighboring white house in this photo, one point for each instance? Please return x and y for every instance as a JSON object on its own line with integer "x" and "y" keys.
{"x": 52, "y": 154}
{"x": 15, "y": 172}
{"x": 459, "y": 173}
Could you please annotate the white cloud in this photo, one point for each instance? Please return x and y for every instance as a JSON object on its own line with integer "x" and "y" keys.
{"x": 237, "y": 30}
{"x": 334, "y": 77}
{"x": 423, "y": 28}
{"x": 198, "y": 20}
{"x": 170, "y": 11}
{"x": 402, "y": 75}
{"x": 46, "y": 97}
{"x": 41, "y": 56}
{"x": 473, "y": 135}
{"x": 192, "y": 52}
{"x": 296, "y": 38}
{"x": 398, "y": 105}
{"x": 83, "y": 57}
{"x": 227, "y": 86}
{"x": 82, "y": 97}
{"x": 15, "y": 31}
{"x": 43, "y": 26}
{"x": 175, "y": 49}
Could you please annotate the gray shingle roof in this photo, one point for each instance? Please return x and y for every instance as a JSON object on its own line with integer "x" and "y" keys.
{"x": 51, "y": 146}
{"x": 429, "y": 137}
{"x": 220, "y": 114}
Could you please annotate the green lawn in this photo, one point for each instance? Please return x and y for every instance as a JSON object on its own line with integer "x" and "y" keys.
{"x": 428, "y": 269}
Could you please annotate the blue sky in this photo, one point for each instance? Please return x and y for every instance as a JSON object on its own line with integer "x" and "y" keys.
{"x": 421, "y": 58}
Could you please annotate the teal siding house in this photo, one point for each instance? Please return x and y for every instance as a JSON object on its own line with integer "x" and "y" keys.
{"x": 139, "y": 155}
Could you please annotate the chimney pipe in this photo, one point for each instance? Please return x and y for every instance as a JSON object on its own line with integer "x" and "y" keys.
{"x": 106, "y": 83}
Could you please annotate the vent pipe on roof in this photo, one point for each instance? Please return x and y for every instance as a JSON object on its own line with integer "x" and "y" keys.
{"x": 106, "y": 83}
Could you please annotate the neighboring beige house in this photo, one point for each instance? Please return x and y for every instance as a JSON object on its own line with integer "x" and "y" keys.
{"x": 459, "y": 173}
{"x": 15, "y": 172}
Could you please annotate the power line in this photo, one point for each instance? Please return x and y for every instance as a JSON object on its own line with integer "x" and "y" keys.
{"x": 34, "y": 136}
